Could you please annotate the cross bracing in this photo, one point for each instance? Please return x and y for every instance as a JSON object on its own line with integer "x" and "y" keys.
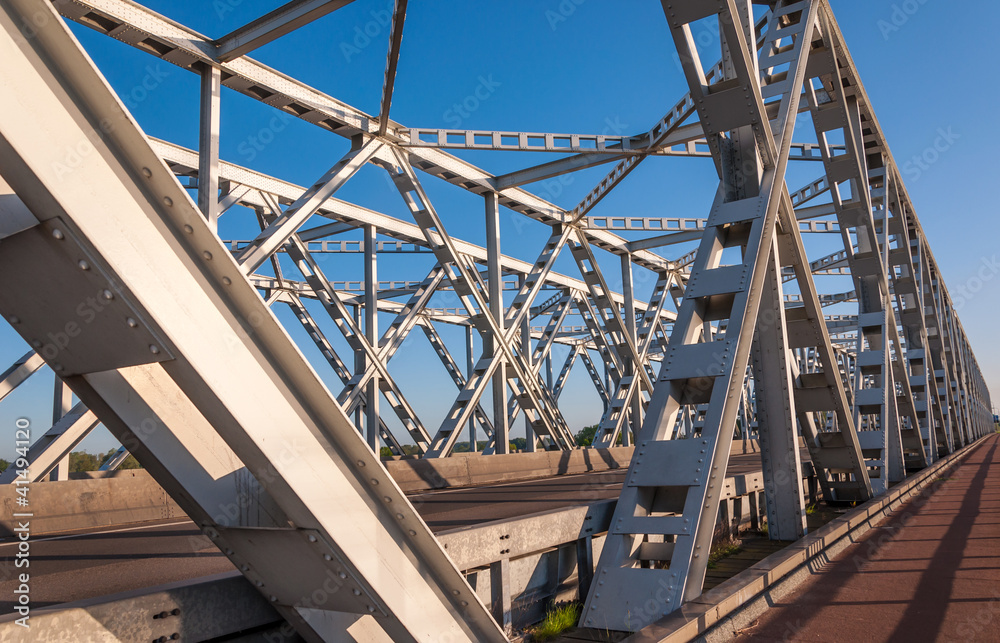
{"x": 735, "y": 327}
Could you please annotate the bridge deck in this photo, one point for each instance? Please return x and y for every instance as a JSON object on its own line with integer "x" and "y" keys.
{"x": 78, "y": 566}
{"x": 929, "y": 573}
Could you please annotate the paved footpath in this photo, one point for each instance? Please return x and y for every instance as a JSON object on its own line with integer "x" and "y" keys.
{"x": 929, "y": 573}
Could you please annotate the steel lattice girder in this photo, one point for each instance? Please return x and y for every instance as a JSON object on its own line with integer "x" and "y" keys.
{"x": 201, "y": 377}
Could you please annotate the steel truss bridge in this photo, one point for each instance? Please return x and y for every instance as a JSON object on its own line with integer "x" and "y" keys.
{"x": 183, "y": 360}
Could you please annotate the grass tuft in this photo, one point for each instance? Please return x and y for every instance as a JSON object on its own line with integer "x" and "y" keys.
{"x": 558, "y": 619}
{"x": 723, "y": 549}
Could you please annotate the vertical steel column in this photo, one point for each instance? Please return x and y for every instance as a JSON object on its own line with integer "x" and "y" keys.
{"x": 208, "y": 145}
{"x": 530, "y": 439}
{"x": 62, "y": 402}
{"x": 359, "y": 367}
{"x": 501, "y": 428}
{"x": 777, "y": 432}
{"x": 632, "y": 368}
{"x": 371, "y": 333}
{"x": 470, "y": 365}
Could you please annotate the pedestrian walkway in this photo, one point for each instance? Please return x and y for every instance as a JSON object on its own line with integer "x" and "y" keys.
{"x": 929, "y": 573}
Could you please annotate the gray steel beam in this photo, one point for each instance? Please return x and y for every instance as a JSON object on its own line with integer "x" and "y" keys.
{"x": 19, "y": 371}
{"x": 287, "y": 222}
{"x": 392, "y": 61}
{"x": 277, "y": 23}
{"x": 208, "y": 144}
{"x": 206, "y": 390}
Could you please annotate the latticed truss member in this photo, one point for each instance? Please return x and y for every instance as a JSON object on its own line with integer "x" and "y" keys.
{"x": 657, "y": 549}
{"x": 864, "y": 414}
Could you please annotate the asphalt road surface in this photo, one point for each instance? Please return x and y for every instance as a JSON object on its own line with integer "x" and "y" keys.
{"x": 96, "y": 563}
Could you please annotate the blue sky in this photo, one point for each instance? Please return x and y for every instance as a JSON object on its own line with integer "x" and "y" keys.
{"x": 576, "y": 67}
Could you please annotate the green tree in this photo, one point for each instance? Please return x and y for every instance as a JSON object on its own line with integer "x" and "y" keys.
{"x": 3, "y": 465}
{"x": 585, "y": 436}
{"x": 128, "y": 463}
{"x": 80, "y": 461}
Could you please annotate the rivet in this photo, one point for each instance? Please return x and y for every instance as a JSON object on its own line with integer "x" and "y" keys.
{"x": 357, "y": 592}
{"x": 312, "y": 538}
{"x": 342, "y": 575}
{"x": 154, "y": 349}
{"x": 387, "y": 498}
{"x": 132, "y": 323}
{"x": 274, "y": 599}
{"x": 260, "y": 584}
{"x": 14, "y": 319}
{"x": 57, "y": 367}
{"x": 107, "y": 294}
{"x": 455, "y": 592}
{"x": 207, "y": 255}
{"x": 83, "y": 265}
{"x": 227, "y": 281}
{"x": 167, "y": 201}
{"x": 371, "y": 608}
{"x": 188, "y": 229}
{"x": 229, "y": 552}
{"x": 399, "y": 516}
{"x": 146, "y": 172}
{"x": 361, "y": 463}
{"x": 245, "y": 568}
{"x": 413, "y": 533}
{"x": 374, "y": 482}
{"x": 36, "y": 344}
{"x": 58, "y": 234}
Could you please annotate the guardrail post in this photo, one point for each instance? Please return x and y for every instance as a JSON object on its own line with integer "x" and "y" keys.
{"x": 755, "y": 510}
{"x": 585, "y": 564}
{"x": 500, "y": 603}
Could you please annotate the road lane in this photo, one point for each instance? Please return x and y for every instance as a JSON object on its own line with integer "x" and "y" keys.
{"x": 95, "y": 563}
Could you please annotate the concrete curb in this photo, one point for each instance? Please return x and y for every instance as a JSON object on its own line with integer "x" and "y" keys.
{"x": 460, "y": 470}
{"x": 129, "y": 497}
{"x": 719, "y": 613}
{"x": 117, "y": 498}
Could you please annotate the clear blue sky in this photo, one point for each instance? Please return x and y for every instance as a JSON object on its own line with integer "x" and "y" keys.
{"x": 604, "y": 67}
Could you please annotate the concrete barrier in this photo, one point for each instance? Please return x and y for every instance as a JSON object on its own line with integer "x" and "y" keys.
{"x": 107, "y": 499}
{"x": 130, "y": 496}
{"x": 467, "y": 470}
{"x": 516, "y": 566}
